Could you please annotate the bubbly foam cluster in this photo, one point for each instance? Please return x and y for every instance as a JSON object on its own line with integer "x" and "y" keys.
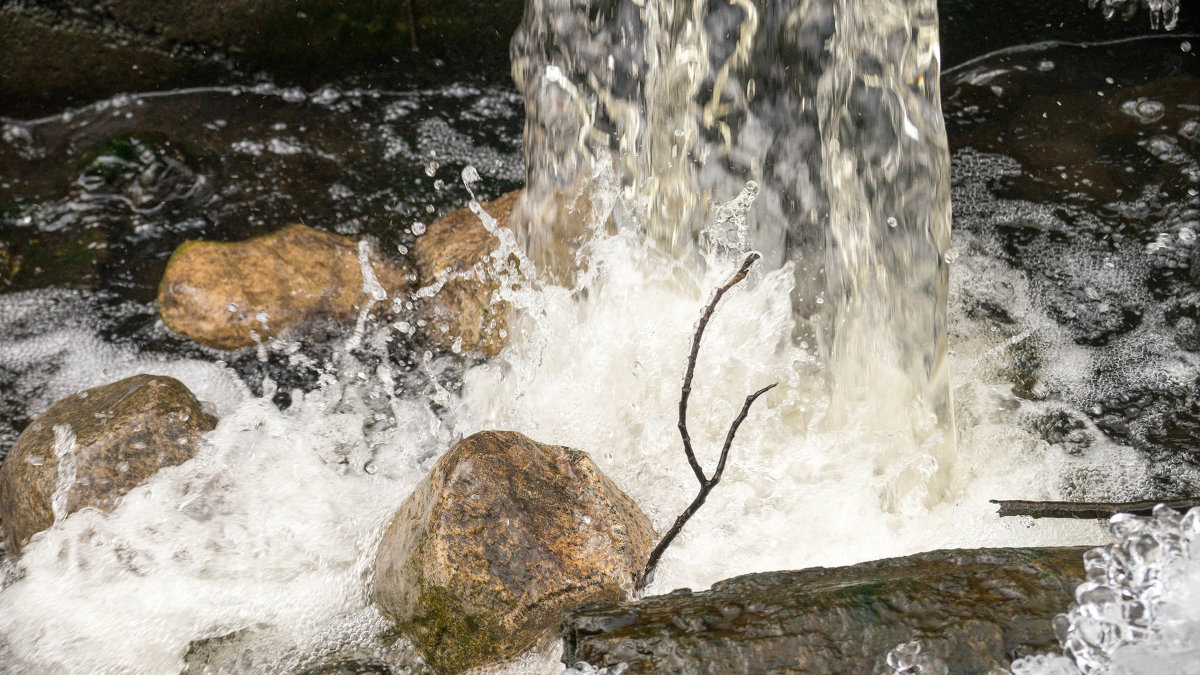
{"x": 1138, "y": 612}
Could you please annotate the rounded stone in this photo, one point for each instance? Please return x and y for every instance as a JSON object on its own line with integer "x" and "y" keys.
{"x": 224, "y": 295}
{"x": 501, "y": 538}
{"x": 116, "y": 436}
{"x": 451, "y": 256}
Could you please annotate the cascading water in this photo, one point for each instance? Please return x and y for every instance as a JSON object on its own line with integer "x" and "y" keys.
{"x": 821, "y": 120}
{"x": 253, "y": 557}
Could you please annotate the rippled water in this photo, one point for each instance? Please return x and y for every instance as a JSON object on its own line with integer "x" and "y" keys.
{"x": 1072, "y": 347}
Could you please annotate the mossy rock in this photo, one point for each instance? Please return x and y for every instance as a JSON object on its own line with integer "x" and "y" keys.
{"x": 501, "y": 538}
{"x": 974, "y": 610}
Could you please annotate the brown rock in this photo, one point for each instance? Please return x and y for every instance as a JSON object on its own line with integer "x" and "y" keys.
{"x": 454, "y": 248}
{"x": 217, "y": 293}
{"x": 123, "y": 433}
{"x": 499, "y": 540}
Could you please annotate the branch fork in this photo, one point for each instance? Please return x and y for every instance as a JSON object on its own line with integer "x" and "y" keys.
{"x": 707, "y": 483}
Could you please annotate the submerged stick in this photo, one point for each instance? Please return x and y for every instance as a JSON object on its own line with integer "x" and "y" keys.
{"x": 1096, "y": 510}
{"x": 706, "y": 483}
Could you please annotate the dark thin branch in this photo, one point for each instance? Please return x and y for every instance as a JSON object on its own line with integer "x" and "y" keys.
{"x": 1096, "y": 510}
{"x": 691, "y": 363}
{"x": 706, "y": 484}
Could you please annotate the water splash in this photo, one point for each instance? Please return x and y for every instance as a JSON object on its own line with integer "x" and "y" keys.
{"x": 64, "y": 472}
{"x": 834, "y": 120}
{"x": 1136, "y": 614}
{"x": 1164, "y": 14}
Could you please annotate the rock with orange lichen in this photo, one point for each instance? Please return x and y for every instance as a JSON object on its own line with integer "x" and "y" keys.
{"x": 499, "y": 540}
{"x": 454, "y": 256}
{"x": 224, "y": 295}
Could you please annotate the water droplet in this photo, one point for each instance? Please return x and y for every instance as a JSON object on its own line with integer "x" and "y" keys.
{"x": 470, "y": 175}
{"x": 1185, "y": 46}
{"x": 1046, "y": 66}
{"x": 439, "y": 184}
{"x": 231, "y": 307}
{"x": 431, "y": 168}
{"x": 891, "y": 221}
{"x": 418, "y": 228}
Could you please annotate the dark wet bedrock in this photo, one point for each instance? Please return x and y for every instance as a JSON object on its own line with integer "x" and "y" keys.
{"x": 973, "y": 610}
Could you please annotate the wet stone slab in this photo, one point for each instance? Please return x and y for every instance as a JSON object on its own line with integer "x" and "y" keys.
{"x": 974, "y": 610}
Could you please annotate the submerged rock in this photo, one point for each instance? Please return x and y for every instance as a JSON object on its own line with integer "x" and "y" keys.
{"x": 972, "y": 610}
{"x": 69, "y": 258}
{"x": 503, "y": 536}
{"x": 222, "y": 295}
{"x": 454, "y": 252}
{"x": 92, "y": 447}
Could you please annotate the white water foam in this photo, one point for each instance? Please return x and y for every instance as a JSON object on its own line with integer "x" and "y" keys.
{"x": 269, "y": 532}
{"x": 1138, "y": 613}
{"x": 64, "y": 472}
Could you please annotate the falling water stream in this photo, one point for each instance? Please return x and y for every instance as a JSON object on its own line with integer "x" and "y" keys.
{"x": 1049, "y": 349}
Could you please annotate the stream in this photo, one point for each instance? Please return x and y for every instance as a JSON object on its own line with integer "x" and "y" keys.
{"x": 1066, "y": 367}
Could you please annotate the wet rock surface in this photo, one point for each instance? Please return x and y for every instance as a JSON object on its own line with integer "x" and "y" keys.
{"x": 502, "y": 537}
{"x": 972, "y": 609}
{"x": 90, "y": 448}
{"x": 50, "y": 58}
{"x": 454, "y": 256}
{"x": 70, "y": 52}
{"x": 238, "y": 652}
{"x": 223, "y": 295}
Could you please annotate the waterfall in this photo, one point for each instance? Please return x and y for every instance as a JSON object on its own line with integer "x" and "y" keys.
{"x": 826, "y": 113}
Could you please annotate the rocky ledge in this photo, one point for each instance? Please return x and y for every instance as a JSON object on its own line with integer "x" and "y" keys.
{"x": 971, "y": 610}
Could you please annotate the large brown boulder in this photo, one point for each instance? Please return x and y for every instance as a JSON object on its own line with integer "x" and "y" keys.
{"x": 501, "y": 538}
{"x": 218, "y": 293}
{"x": 455, "y": 251}
{"x": 112, "y": 437}
{"x": 972, "y": 610}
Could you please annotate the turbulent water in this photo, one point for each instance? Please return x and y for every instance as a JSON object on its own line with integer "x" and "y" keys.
{"x": 1071, "y": 342}
{"x": 810, "y": 132}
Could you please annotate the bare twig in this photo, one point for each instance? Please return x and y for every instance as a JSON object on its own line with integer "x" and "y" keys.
{"x": 706, "y": 483}
{"x": 1097, "y": 510}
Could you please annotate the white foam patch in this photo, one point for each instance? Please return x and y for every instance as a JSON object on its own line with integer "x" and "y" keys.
{"x": 270, "y": 529}
{"x": 603, "y": 375}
